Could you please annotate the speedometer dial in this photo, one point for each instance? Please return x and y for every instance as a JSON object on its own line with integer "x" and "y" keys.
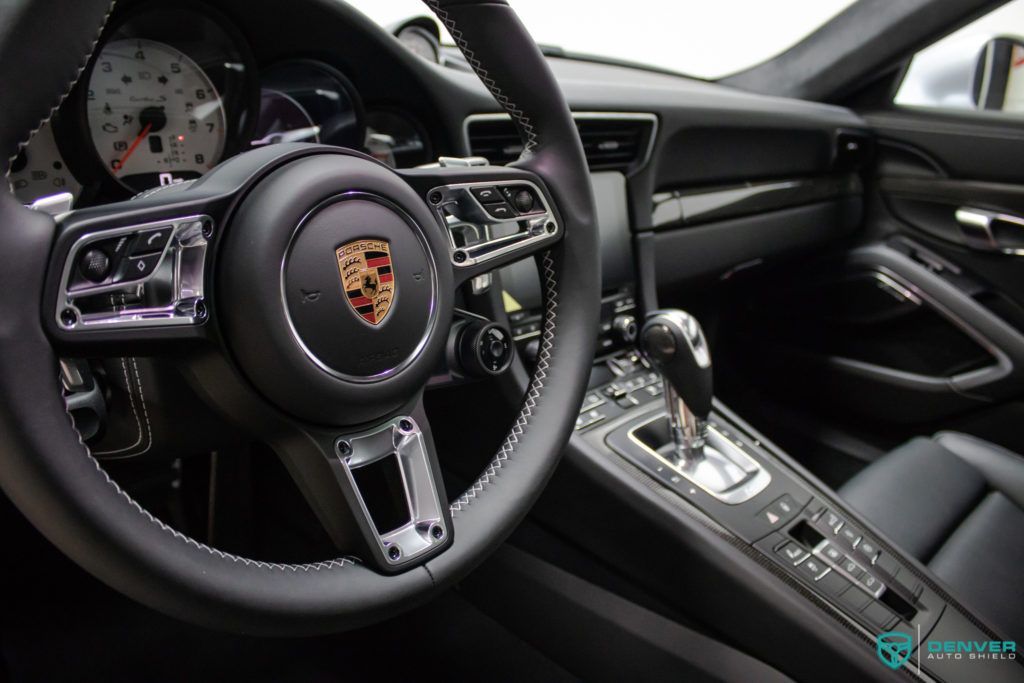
{"x": 154, "y": 115}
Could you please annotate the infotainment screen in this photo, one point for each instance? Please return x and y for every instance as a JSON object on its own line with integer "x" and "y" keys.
{"x": 520, "y": 280}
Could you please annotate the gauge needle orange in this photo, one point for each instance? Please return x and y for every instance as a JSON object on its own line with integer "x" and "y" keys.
{"x": 131, "y": 148}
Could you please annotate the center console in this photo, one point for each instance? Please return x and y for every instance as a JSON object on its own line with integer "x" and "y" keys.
{"x": 787, "y": 522}
{"x": 698, "y": 506}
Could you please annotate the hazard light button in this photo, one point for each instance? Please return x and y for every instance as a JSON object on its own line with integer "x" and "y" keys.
{"x": 779, "y": 512}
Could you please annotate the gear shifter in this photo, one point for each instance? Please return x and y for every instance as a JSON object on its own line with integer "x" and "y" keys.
{"x": 673, "y": 342}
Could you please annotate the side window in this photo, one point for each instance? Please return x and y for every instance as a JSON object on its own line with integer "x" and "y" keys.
{"x": 978, "y": 67}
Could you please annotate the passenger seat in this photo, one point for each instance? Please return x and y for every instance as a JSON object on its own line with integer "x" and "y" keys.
{"x": 956, "y": 503}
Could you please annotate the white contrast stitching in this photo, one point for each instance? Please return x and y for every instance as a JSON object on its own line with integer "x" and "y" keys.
{"x": 135, "y": 412}
{"x": 67, "y": 91}
{"x": 518, "y": 114}
{"x": 315, "y": 566}
{"x": 532, "y": 393}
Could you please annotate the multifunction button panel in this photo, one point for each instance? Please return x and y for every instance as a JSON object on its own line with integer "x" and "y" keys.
{"x": 488, "y": 220}
{"x": 139, "y": 275}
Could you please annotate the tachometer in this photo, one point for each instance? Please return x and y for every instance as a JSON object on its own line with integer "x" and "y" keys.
{"x": 39, "y": 170}
{"x": 154, "y": 115}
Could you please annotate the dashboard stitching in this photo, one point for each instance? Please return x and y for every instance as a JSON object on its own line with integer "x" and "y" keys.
{"x": 518, "y": 114}
{"x": 532, "y": 394}
{"x": 135, "y": 413}
{"x": 67, "y": 90}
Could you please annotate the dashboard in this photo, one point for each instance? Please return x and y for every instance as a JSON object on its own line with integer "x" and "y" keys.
{"x": 175, "y": 88}
{"x": 694, "y": 180}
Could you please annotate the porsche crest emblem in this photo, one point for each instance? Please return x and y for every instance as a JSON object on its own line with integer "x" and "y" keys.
{"x": 368, "y": 278}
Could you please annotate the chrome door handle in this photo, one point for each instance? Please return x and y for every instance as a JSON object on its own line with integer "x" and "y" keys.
{"x": 991, "y": 230}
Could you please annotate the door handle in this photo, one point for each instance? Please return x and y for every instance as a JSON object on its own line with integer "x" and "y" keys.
{"x": 991, "y": 230}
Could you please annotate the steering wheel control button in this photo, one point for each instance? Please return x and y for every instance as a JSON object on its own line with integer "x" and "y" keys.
{"x": 94, "y": 265}
{"x": 151, "y": 241}
{"x": 138, "y": 267}
{"x": 500, "y": 210}
{"x": 486, "y": 195}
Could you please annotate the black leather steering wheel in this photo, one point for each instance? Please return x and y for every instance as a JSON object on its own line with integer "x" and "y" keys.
{"x": 271, "y": 219}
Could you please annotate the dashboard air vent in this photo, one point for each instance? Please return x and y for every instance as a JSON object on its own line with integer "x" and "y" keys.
{"x": 611, "y": 142}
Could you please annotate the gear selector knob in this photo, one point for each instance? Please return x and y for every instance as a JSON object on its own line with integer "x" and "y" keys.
{"x": 674, "y": 343}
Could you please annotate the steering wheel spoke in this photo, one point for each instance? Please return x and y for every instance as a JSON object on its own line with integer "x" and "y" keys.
{"x": 378, "y": 489}
{"x": 491, "y": 216}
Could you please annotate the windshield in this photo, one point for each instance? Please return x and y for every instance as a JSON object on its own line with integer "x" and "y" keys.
{"x": 709, "y": 39}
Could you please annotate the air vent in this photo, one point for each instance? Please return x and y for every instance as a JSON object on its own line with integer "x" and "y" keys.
{"x": 610, "y": 141}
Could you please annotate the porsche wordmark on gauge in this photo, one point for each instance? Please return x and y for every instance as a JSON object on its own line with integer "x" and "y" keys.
{"x": 154, "y": 115}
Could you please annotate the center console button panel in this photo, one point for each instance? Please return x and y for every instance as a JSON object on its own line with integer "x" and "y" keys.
{"x": 804, "y": 535}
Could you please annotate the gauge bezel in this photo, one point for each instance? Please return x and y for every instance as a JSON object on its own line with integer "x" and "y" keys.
{"x": 414, "y": 123}
{"x": 358, "y": 134}
{"x": 240, "y": 102}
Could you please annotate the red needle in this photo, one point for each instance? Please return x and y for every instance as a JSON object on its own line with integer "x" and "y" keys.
{"x": 135, "y": 143}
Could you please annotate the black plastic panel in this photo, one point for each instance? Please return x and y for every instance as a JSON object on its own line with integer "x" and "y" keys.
{"x": 688, "y": 254}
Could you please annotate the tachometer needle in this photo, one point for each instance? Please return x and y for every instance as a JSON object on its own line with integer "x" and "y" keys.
{"x": 131, "y": 148}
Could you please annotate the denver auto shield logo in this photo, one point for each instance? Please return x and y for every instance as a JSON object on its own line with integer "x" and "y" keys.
{"x": 894, "y": 648}
{"x": 368, "y": 278}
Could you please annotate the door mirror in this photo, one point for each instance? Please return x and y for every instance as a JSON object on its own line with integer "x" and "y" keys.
{"x": 999, "y": 75}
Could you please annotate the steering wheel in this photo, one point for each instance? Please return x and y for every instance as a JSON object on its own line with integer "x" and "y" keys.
{"x": 283, "y": 258}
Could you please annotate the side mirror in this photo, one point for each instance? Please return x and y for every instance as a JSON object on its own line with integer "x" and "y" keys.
{"x": 999, "y": 75}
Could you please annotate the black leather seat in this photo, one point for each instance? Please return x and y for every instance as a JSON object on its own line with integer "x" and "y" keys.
{"x": 956, "y": 503}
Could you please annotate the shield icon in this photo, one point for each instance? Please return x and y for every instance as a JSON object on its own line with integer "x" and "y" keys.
{"x": 894, "y": 648}
{"x": 368, "y": 278}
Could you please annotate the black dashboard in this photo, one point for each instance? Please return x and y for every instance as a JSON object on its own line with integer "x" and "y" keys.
{"x": 694, "y": 179}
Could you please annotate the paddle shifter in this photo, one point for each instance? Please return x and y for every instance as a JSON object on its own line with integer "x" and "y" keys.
{"x": 674, "y": 343}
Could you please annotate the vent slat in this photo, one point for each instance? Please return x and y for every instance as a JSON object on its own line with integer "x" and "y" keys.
{"x": 608, "y": 143}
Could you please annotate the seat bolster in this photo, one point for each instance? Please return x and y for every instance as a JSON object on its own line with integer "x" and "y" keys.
{"x": 917, "y": 494}
{"x": 982, "y": 560}
{"x": 1003, "y": 469}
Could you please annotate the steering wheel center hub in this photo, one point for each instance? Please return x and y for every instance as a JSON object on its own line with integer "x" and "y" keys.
{"x": 332, "y": 299}
{"x": 360, "y": 287}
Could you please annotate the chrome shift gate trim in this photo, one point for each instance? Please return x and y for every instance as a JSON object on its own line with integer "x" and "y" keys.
{"x": 724, "y": 470}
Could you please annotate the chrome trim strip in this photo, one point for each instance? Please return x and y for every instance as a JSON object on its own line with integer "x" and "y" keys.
{"x": 746, "y": 489}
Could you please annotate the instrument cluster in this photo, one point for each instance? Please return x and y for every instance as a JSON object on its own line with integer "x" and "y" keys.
{"x": 174, "y": 90}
